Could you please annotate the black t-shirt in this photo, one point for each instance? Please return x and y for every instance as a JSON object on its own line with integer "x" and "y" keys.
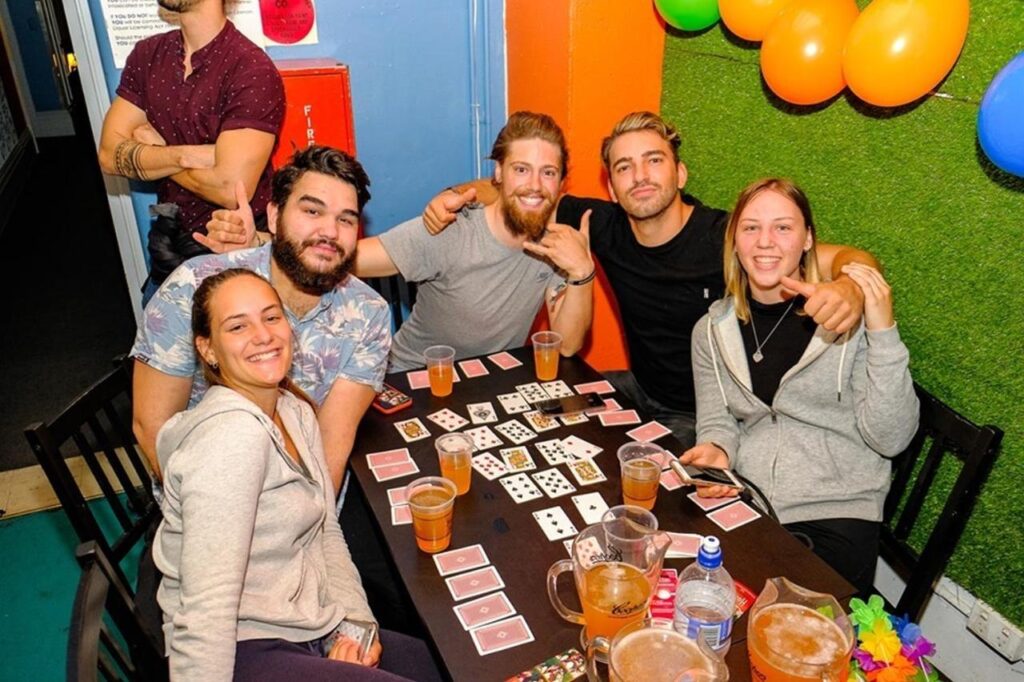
{"x": 782, "y": 349}
{"x": 662, "y": 291}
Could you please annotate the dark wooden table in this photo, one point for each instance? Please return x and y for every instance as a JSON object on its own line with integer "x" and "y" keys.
{"x": 517, "y": 547}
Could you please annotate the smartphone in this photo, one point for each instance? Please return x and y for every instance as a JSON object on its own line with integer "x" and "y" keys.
{"x": 570, "y": 404}
{"x": 391, "y": 400}
{"x": 706, "y": 476}
{"x": 362, "y": 631}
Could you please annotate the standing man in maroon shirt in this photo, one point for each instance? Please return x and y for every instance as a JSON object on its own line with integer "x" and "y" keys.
{"x": 198, "y": 109}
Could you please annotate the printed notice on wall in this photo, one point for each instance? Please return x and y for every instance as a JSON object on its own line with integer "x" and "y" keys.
{"x": 289, "y": 22}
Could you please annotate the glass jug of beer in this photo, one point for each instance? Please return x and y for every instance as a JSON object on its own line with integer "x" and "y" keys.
{"x": 616, "y": 565}
{"x": 651, "y": 650}
{"x": 796, "y": 635}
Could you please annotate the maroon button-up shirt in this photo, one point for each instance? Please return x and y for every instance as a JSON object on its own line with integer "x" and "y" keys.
{"x": 233, "y": 85}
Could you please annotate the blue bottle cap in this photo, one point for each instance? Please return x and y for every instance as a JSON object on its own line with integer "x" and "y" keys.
{"x": 709, "y": 555}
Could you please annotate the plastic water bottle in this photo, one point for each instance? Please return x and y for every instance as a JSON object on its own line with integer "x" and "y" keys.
{"x": 706, "y": 598}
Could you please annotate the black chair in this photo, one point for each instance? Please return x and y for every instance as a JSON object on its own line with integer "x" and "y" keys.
{"x": 943, "y": 433}
{"x": 107, "y": 638}
{"x": 400, "y": 295}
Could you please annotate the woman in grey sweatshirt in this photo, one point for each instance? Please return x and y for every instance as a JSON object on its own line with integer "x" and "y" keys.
{"x": 255, "y": 568}
{"x": 809, "y": 416}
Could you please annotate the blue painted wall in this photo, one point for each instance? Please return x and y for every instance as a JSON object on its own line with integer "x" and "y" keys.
{"x": 412, "y": 93}
{"x": 35, "y": 54}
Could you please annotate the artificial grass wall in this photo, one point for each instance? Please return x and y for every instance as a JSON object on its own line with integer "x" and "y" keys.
{"x": 911, "y": 186}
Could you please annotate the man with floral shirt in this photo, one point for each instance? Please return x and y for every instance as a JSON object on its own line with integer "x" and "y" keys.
{"x": 342, "y": 327}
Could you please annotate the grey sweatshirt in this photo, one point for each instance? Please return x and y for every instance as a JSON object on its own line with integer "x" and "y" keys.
{"x": 249, "y": 546}
{"x": 821, "y": 449}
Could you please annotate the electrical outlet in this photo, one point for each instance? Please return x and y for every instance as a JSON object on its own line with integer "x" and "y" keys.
{"x": 996, "y": 631}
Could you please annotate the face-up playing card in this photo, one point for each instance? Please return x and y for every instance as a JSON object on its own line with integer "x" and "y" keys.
{"x": 571, "y": 419}
{"x": 532, "y": 392}
{"x": 502, "y": 635}
{"x": 683, "y": 545}
{"x": 557, "y": 389}
{"x": 733, "y": 516}
{"x": 579, "y": 448}
{"x": 553, "y": 452}
{"x": 473, "y": 368}
{"x": 483, "y": 437}
{"x": 619, "y": 418}
{"x": 709, "y": 503}
{"x": 401, "y": 515}
{"x": 480, "y": 581}
{"x": 587, "y": 551}
{"x": 648, "y": 432}
{"x": 418, "y": 379}
{"x": 670, "y": 480}
{"x": 396, "y": 496}
{"x": 448, "y": 419}
{"x": 378, "y": 459}
{"x": 553, "y": 483}
{"x": 458, "y": 560}
{"x": 504, "y": 360}
{"x": 481, "y": 413}
{"x": 391, "y": 471}
{"x": 515, "y": 431}
{"x": 520, "y": 488}
{"x": 599, "y": 387}
{"x": 663, "y": 599}
{"x": 412, "y": 430}
{"x": 591, "y": 507}
{"x": 484, "y": 610}
{"x": 489, "y": 466}
{"x": 518, "y": 459}
{"x": 555, "y": 523}
{"x": 586, "y": 471}
{"x": 540, "y": 421}
{"x": 513, "y": 403}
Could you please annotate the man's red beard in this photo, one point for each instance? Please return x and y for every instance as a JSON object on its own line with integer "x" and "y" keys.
{"x": 531, "y": 223}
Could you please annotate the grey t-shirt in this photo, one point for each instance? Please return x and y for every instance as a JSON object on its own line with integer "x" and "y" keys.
{"x": 473, "y": 293}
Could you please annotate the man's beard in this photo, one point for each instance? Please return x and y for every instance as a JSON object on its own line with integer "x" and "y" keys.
{"x": 288, "y": 257}
{"x": 177, "y": 5}
{"x": 650, "y": 207}
{"x": 529, "y": 223}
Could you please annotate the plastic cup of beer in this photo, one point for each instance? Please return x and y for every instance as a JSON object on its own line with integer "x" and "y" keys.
{"x": 439, "y": 361}
{"x": 547, "y": 347}
{"x": 795, "y": 643}
{"x": 454, "y": 453}
{"x": 431, "y": 501}
{"x": 641, "y": 473}
{"x": 652, "y": 651}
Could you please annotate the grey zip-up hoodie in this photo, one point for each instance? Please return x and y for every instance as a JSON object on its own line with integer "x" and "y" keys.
{"x": 821, "y": 449}
{"x": 249, "y": 546}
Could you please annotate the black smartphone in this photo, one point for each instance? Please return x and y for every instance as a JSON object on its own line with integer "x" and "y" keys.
{"x": 570, "y": 404}
{"x": 706, "y": 476}
{"x": 391, "y": 400}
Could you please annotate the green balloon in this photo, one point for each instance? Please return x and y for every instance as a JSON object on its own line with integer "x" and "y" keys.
{"x": 688, "y": 15}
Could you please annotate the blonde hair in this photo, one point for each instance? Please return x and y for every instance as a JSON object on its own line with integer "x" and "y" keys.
{"x": 526, "y": 125}
{"x": 736, "y": 280}
{"x": 641, "y": 120}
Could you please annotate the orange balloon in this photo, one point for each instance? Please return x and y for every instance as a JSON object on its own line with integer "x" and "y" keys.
{"x": 750, "y": 19}
{"x": 802, "y": 55}
{"x": 899, "y": 50}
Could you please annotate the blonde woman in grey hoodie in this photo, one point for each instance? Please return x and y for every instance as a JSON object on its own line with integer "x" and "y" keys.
{"x": 256, "y": 572}
{"x": 809, "y": 416}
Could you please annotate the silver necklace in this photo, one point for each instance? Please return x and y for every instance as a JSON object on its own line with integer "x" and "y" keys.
{"x": 758, "y": 356}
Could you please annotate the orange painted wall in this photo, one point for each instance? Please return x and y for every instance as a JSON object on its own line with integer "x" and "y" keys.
{"x": 587, "y": 63}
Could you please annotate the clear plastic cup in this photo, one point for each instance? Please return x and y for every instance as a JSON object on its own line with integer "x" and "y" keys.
{"x": 454, "y": 454}
{"x": 431, "y": 502}
{"x": 440, "y": 370}
{"x": 547, "y": 347}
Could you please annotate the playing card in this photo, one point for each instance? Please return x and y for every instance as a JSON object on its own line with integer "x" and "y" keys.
{"x": 709, "y": 503}
{"x": 401, "y": 515}
{"x": 735, "y": 515}
{"x": 418, "y": 379}
{"x": 518, "y": 459}
{"x": 579, "y": 448}
{"x": 377, "y": 459}
{"x": 484, "y": 610}
{"x": 610, "y": 405}
{"x": 532, "y": 392}
{"x": 586, "y": 471}
{"x": 588, "y": 552}
{"x": 683, "y": 545}
{"x": 513, "y": 403}
{"x": 591, "y": 507}
{"x": 663, "y": 459}
{"x": 619, "y": 418}
{"x": 502, "y": 635}
{"x": 396, "y": 496}
{"x": 663, "y": 599}
{"x": 568, "y": 546}
{"x": 553, "y": 483}
{"x": 555, "y": 523}
{"x": 504, "y": 360}
{"x": 670, "y": 480}
{"x": 648, "y": 432}
{"x": 412, "y": 430}
{"x": 448, "y": 419}
{"x": 481, "y": 413}
{"x": 475, "y": 582}
{"x": 489, "y": 466}
{"x": 515, "y": 431}
{"x": 598, "y": 387}
{"x": 473, "y": 368}
{"x": 520, "y": 488}
{"x": 483, "y": 437}
{"x": 557, "y": 389}
{"x": 390, "y": 471}
{"x": 571, "y": 419}
{"x": 458, "y": 560}
{"x": 540, "y": 421}
{"x": 553, "y": 452}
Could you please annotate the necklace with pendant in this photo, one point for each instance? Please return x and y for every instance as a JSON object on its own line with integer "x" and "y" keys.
{"x": 758, "y": 356}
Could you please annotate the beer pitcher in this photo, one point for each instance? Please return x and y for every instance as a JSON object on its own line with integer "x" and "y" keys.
{"x": 616, "y": 564}
{"x": 651, "y": 650}
{"x": 796, "y": 635}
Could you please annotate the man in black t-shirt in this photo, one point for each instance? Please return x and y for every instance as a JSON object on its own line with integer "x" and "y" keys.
{"x": 661, "y": 250}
